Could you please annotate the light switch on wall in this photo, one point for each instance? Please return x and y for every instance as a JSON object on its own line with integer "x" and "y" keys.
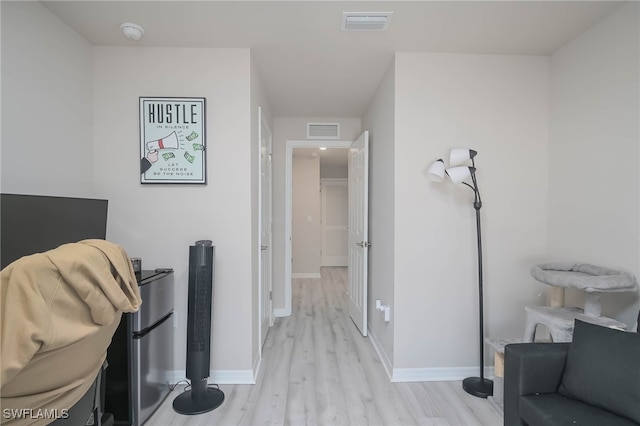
{"x": 309, "y": 219}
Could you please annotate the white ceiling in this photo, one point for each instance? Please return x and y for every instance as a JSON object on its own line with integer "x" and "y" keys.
{"x": 309, "y": 68}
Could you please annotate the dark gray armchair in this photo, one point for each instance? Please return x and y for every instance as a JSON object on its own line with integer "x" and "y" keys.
{"x": 594, "y": 380}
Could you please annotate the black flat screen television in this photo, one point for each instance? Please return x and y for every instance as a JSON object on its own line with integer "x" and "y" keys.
{"x": 37, "y": 223}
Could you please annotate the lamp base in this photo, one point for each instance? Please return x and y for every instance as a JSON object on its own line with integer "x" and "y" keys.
{"x": 476, "y": 386}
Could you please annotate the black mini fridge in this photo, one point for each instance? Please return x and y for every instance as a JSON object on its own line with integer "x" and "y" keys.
{"x": 140, "y": 356}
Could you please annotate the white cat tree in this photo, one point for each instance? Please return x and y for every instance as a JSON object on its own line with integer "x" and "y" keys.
{"x": 593, "y": 280}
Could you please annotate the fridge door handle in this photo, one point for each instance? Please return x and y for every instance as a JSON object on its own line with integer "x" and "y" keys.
{"x": 141, "y": 333}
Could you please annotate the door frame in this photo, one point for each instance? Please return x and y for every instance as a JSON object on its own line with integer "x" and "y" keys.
{"x": 262, "y": 121}
{"x": 288, "y": 213}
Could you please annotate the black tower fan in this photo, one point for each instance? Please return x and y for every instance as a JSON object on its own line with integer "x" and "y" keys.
{"x": 200, "y": 398}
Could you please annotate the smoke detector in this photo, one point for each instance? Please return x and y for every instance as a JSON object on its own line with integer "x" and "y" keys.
{"x": 132, "y": 31}
{"x": 366, "y": 21}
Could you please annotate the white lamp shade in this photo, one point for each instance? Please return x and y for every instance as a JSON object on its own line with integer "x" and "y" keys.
{"x": 460, "y": 156}
{"x": 436, "y": 171}
{"x": 458, "y": 174}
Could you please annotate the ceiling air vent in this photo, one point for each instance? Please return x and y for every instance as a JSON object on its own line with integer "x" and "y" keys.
{"x": 365, "y": 21}
{"x": 323, "y": 130}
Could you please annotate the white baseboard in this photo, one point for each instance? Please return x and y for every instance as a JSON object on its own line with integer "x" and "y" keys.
{"x": 437, "y": 374}
{"x": 423, "y": 374}
{"x": 384, "y": 358}
{"x": 281, "y": 312}
{"x": 257, "y": 363}
{"x": 222, "y": 377}
{"x": 306, "y": 275}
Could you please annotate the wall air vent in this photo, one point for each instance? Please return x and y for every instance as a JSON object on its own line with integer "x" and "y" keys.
{"x": 323, "y": 130}
{"x": 365, "y": 21}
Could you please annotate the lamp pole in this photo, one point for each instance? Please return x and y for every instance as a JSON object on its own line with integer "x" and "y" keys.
{"x": 478, "y": 386}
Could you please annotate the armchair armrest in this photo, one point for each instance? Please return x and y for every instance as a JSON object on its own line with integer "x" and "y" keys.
{"x": 530, "y": 368}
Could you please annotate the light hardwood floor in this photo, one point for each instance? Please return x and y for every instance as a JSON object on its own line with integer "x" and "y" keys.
{"x": 318, "y": 370}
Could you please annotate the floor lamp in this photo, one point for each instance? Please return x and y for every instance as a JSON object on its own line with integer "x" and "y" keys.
{"x": 458, "y": 173}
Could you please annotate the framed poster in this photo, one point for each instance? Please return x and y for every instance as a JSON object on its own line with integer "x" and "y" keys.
{"x": 172, "y": 140}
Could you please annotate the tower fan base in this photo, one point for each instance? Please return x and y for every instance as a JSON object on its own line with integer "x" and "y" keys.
{"x": 189, "y": 403}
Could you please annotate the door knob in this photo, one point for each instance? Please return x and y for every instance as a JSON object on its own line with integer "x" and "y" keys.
{"x": 263, "y": 248}
{"x": 364, "y": 244}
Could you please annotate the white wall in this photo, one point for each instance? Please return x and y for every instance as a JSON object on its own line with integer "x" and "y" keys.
{"x": 594, "y": 195}
{"x": 379, "y": 119}
{"x": 306, "y": 213}
{"x": 284, "y": 129}
{"x": 46, "y": 104}
{"x": 497, "y": 105}
{"x": 159, "y": 222}
{"x": 70, "y": 127}
{"x": 334, "y": 172}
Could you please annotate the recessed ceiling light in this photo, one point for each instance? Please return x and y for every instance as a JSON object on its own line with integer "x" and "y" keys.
{"x": 366, "y": 21}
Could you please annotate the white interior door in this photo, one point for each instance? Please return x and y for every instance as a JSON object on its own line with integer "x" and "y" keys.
{"x": 265, "y": 223}
{"x": 335, "y": 222}
{"x": 358, "y": 230}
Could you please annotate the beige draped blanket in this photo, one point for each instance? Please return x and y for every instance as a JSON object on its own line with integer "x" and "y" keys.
{"x": 59, "y": 310}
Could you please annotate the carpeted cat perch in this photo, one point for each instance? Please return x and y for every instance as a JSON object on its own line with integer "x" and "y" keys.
{"x": 593, "y": 280}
